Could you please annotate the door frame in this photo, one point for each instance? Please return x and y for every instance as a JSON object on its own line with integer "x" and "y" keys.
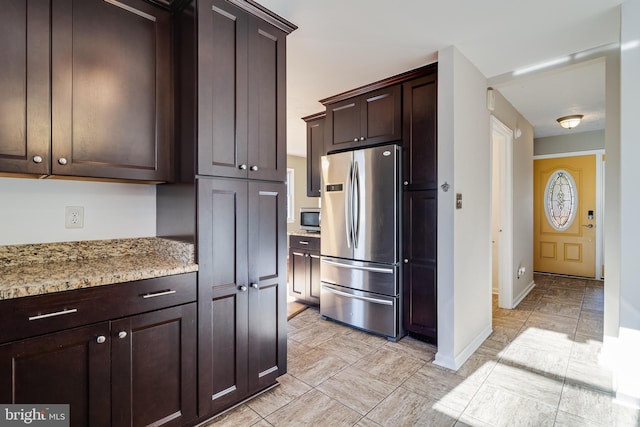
{"x": 600, "y": 159}
{"x": 505, "y": 267}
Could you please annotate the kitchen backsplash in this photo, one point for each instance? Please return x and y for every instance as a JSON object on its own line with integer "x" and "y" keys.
{"x": 33, "y": 211}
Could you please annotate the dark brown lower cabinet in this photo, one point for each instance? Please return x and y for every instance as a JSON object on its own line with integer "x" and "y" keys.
{"x": 242, "y": 290}
{"x": 69, "y": 367}
{"x": 420, "y": 263}
{"x": 304, "y": 264}
{"x": 135, "y": 371}
{"x": 153, "y": 364}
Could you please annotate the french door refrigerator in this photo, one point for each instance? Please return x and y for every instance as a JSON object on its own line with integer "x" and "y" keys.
{"x": 360, "y": 243}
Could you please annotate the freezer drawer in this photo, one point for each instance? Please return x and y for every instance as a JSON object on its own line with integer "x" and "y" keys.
{"x": 363, "y": 276}
{"x": 372, "y": 312}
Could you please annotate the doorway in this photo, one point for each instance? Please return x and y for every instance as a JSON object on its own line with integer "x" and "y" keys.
{"x": 567, "y": 207}
{"x": 501, "y": 212}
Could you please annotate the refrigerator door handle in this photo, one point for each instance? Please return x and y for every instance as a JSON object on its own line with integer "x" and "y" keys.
{"x": 356, "y": 203}
{"x": 368, "y": 299}
{"x": 358, "y": 267}
{"x": 348, "y": 206}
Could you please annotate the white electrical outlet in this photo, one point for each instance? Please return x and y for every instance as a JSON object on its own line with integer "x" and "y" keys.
{"x": 74, "y": 217}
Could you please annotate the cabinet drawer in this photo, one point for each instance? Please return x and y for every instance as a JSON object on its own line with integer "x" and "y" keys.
{"x": 307, "y": 243}
{"x": 31, "y": 316}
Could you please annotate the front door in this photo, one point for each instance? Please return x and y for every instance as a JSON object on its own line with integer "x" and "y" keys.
{"x": 564, "y": 215}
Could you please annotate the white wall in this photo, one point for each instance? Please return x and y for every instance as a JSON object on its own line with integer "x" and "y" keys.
{"x": 522, "y": 185}
{"x": 32, "y": 210}
{"x": 628, "y": 378}
{"x": 570, "y": 142}
{"x": 464, "y": 236}
{"x": 299, "y": 165}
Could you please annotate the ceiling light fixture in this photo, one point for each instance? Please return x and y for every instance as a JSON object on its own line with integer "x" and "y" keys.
{"x": 569, "y": 122}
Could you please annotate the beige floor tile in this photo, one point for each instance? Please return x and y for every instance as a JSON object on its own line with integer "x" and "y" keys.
{"x": 405, "y": 408}
{"x": 596, "y": 406}
{"x": 314, "y": 409}
{"x": 491, "y": 348}
{"x": 593, "y": 305}
{"x": 477, "y": 367}
{"x": 261, "y": 423}
{"x": 356, "y": 389}
{"x": 569, "y": 283}
{"x": 565, "y": 419}
{"x": 518, "y": 314}
{"x": 240, "y": 416}
{"x": 508, "y": 322}
{"x": 444, "y": 386}
{"x": 590, "y": 324}
{"x": 467, "y": 421}
{"x": 414, "y": 348}
{"x": 571, "y": 296}
{"x": 366, "y": 422}
{"x": 527, "y": 383}
{"x": 295, "y": 348}
{"x": 346, "y": 348}
{"x": 595, "y": 284}
{"x": 274, "y": 399}
{"x": 589, "y": 375}
{"x": 316, "y": 366}
{"x": 314, "y": 334}
{"x": 390, "y": 366}
{"x": 552, "y": 364}
{"x": 503, "y": 334}
{"x": 552, "y": 322}
{"x": 498, "y": 407}
{"x": 556, "y": 307}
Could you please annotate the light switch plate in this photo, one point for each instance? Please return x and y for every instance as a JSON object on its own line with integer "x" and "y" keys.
{"x": 458, "y": 200}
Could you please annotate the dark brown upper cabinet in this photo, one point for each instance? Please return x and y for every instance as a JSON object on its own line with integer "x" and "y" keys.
{"x": 241, "y": 94}
{"x": 315, "y": 150}
{"x": 103, "y": 108}
{"x": 420, "y": 141}
{"x": 369, "y": 119}
{"x": 111, "y": 89}
{"x": 25, "y": 104}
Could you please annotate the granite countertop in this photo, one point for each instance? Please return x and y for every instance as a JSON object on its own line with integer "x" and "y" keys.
{"x": 38, "y": 269}
{"x": 303, "y": 233}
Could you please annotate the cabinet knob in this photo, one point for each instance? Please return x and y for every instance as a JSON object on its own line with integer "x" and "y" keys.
{"x": 355, "y": 139}
{"x": 406, "y": 261}
{"x": 37, "y": 159}
{"x": 242, "y": 167}
{"x": 122, "y": 334}
{"x": 101, "y": 339}
{"x": 362, "y": 138}
{"x": 62, "y": 161}
{"x": 254, "y": 285}
{"x": 406, "y": 183}
{"x": 254, "y": 168}
{"x": 243, "y": 289}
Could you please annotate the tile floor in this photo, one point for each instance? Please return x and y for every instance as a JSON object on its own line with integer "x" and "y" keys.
{"x": 538, "y": 368}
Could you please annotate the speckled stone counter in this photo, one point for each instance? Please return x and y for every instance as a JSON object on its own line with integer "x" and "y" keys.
{"x": 303, "y": 233}
{"x": 37, "y": 269}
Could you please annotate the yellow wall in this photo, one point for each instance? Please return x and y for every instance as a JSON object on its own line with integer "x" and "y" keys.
{"x": 299, "y": 165}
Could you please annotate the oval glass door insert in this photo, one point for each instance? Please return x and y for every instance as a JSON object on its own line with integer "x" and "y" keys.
{"x": 560, "y": 200}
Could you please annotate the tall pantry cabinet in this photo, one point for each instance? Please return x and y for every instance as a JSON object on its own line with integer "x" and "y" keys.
{"x": 230, "y": 193}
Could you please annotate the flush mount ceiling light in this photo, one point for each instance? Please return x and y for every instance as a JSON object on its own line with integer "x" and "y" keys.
{"x": 569, "y": 122}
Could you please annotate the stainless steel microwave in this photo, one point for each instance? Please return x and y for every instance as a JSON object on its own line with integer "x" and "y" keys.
{"x": 310, "y": 219}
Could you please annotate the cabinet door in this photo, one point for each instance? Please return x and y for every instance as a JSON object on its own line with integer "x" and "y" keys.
{"x": 298, "y": 278}
{"x": 267, "y": 276}
{"x": 222, "y": 89}
{"x": 111, "y": 89}
{"x": 381, "y": 116}
{"x": 315, "y": 150}
{"x": 25, "y": 112}
{"x": 420, "y": 142}
{"x": 420, "y": 248}
{"x": 343, "y": 128}
{"x": 313, "y": 290}
{"x": 69, "y": 367}
{"x": 154, "y": 368}
{"x": 267, "y": 158}
{"x": 222, "y": 293}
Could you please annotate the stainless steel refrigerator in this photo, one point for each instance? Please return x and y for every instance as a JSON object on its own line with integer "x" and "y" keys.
{"x": 360, "y": 244}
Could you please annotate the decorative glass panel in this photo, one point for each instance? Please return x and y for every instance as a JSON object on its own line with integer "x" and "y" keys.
{"x": 560, "y": 200}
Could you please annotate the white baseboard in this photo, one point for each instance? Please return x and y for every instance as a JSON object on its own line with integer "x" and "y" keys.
{"x": 523, "y": 294}
{"x": 455, "y": 362}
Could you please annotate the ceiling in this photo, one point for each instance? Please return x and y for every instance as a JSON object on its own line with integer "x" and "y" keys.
{"x": 344, "y": 44}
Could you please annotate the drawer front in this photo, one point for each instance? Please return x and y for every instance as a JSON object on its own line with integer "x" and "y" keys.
{"x": 31, "y": 316}
{"x": 306, "y": 243}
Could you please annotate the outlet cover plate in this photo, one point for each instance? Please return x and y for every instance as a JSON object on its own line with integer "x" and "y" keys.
{"x": 74, "y": 217}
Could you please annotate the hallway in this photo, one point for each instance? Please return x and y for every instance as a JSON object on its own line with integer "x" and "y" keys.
{"x": 538, "y": 368}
